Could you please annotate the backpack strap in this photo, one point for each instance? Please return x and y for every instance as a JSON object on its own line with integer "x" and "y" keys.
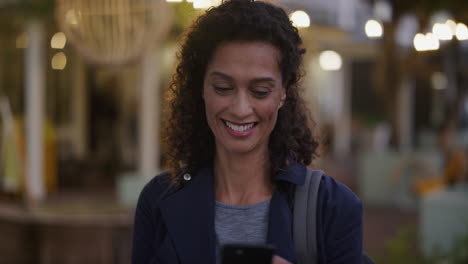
{"x": 305, "y": 222}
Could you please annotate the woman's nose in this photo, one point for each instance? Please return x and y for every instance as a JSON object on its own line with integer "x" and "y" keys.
{"x": 242, "y": 105}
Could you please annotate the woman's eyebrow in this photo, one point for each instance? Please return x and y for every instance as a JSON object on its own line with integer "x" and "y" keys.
{"x": 222, "y": 75}
{"x": 255, "y": 80}
{"x": 263, "y": 80}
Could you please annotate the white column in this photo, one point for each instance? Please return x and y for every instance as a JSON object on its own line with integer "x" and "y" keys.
{"x": 342, "y": 119}
{"x": 405, "y": 115}
{"x": 150, "y": 115}
{"x": 34, "y": 92}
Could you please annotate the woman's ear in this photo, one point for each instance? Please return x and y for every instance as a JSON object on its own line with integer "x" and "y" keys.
{"x": 282, "y": 99}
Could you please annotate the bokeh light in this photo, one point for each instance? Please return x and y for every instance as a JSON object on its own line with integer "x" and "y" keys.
{"x": 330, "y": 60}
{"x": 300, "y": 19}
{"x": 373, "y": 29}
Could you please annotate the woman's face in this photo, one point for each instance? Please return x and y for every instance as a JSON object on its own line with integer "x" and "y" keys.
{"x": 243, "y": 91}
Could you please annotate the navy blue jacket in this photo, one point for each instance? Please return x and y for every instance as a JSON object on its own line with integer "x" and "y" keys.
{"x": 176, "y": 225}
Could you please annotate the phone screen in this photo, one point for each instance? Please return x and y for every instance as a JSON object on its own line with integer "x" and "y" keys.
{"x": 247, "y": 254}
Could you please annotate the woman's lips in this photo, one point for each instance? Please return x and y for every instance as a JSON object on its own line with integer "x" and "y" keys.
{"x": 239, "y": 130}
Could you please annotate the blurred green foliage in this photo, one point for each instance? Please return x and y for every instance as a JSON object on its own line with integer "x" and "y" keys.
{"x": 184, "y": 15}
{"x": 460, "y": 253}
{"x": 403, "y": 249}
{"x": 30, "y": 8}
{"x": 371, "y": 119}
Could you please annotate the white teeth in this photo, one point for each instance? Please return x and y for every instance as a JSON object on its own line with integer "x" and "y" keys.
{"x": 239, "y": 128}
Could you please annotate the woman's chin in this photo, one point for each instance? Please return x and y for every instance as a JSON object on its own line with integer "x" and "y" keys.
{"x": 238, "y": 148}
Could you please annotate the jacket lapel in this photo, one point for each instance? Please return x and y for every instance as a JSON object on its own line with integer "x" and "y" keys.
{"x": 280, "y": 223}
{"x": 189, "y": 217}
{"x": 280, "y": 227}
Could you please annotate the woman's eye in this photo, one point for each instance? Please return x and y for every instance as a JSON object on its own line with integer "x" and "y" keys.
{"x": 220, "y": 89}
{"x": 261, "y": 93}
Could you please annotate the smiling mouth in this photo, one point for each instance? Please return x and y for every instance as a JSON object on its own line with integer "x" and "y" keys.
{"x": 239, "y": 127}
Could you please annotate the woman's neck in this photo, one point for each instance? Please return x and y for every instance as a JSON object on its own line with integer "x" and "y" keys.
{"x": 242, "y": 179}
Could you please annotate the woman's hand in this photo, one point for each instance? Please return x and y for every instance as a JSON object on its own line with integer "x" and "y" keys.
{"x": 279, "y": 260}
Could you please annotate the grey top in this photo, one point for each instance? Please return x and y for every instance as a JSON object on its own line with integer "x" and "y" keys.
{"x": 244, "y": 224}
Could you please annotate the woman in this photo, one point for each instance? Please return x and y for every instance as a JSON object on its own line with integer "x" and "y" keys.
{"x": 239, "y": 141}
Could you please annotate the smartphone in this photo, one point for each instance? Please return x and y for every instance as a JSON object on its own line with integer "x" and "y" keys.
{"x": 247, "y": 254}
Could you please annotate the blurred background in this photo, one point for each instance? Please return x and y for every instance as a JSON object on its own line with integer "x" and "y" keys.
{"x": 82, "y": 86}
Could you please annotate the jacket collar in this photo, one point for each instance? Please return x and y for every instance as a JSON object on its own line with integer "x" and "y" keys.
{"x": 189, "y": 216}
{"x": 293, "y": 173}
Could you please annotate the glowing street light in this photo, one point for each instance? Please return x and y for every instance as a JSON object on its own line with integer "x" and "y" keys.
{"x": 59, "y": 61}
{"x": 452, "y": 24}
{"x": 300, "y": 19}
{"x": 442, "y": 31}
{"x": 373, "y": 29}
{"x": 330, "y": 60}
{"x": 426, "y": 42}
{"x": 461, "y": 31}
{"x": 58, "y": 41}
{"x": 419, "y": 42}
{"x": 433, "y": 41}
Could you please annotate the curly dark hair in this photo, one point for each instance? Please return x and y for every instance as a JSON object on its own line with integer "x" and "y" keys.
{"x": 189, "y": 141}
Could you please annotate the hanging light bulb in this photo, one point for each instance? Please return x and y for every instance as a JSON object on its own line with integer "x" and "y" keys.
{"x": 442, "y": 31}
{"x": 58, "y": 41}
{"x": 426, "y": 42}
{"x": 112, "y": 32}
{"x": 300, "y": 19}
{"x": 461, "y": 31}
{"x": 419, "y": 42}
{"x": 330, "y": 60}
{"x": 373, "y": 29}
{"x": 432, "y": 41}
{"x": 452, "y": 25}
{"x": 59, "y": 61}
